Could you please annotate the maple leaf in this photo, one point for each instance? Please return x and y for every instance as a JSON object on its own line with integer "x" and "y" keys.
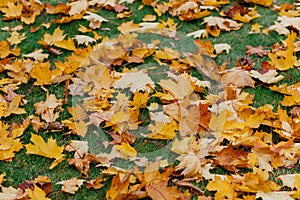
{"x": 6, "y": 51}
{"x": 238, "y": 77}
{"x": 190, "y": 164}
{"x": 224, "y": 187}
{"x": 222, "y": 23}
{"x": 285, "y": 59}
{"x": 161, "y": 190}
{"x": 259, "y": 50}
{"x": 57, "y": 36}
{"x": 37, "y": 194}
{"x": 48, "y": 149}
{"x": 268, "y": 77}
{"x": 95, "y": 183}
{"x": 9, "y": 142}
{"x": 13, "y": 11}
{"x": 42, "y": 73}
{"x": 10, "y": 193}
{"x": 162, "y": 130}
{"x": 80, "y": 148}
{"x": 119, "y": 187}
{"x": 16, "y": 38}
{"x": 37, "y": 55}
{"x": 94, "y": 19}
{"x": 230, "y": 158}
{"x": 135, "y": 80}
{"x": 127, "y": 150}
{"x": 77, "y": 7}
{"x": 48, "y": 109}
{"x": 84, "y": 39}
{"x": 72, "y": 185}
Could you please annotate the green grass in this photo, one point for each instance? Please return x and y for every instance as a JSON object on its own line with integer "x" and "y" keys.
{"x": 25, "y": 167}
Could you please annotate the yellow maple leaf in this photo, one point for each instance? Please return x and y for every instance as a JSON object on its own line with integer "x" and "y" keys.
{"x": 285, "y": 59}
{"x": 16, "y": 38}
{"x": 162, "y": 130}
{"x": 6, "y": 51}
{"x": 224, "y": 187}
{"x": 9, "y": 142}
{"x": 42, "y": 73}
{"x": 37, "y": 194}
{"x": 57, "y": 36}
{"x": 126, "y": 149}
{"x": 13, "y": 11}
{"x": 48, "y": 149}
{"x": 66, "y": 44}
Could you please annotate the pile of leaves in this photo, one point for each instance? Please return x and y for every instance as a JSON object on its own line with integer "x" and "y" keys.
{"x": 139, "y": 86}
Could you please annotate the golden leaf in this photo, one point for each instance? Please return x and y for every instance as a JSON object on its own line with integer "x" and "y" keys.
{"x": 48, "y": 149}
{"x": 37, "y": 194}
{"x": 12, "y": 11}
{"x": 126, "y": 150}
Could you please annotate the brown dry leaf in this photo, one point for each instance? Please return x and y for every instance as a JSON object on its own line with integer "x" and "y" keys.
{"x": 188, "y": 10}
{"x": 72, "y": 185}
{"x": 237, "y": 77}
{"x": 241, "y": 13}
{"x": 259, "y": 50}
{"x": 48, "y": 149}
{"x": 49, "y": 109}
{"x": 95, "y": 183}
{"x": 79, "y": 147}
{"x": 230, "y": 158}
{"x": 161, "y": 190}
{"x": 82, "y": 163}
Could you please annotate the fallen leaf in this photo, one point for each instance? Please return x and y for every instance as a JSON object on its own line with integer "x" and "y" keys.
{"x": 268, "y": 77}
{"x": 259, "y": 50}
{"x": 135, "y": 80}
{"x": 72, "y": 185}
{"x": 48, "y": 149}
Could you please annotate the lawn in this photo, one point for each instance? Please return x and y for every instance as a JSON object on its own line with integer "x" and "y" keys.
{"x": 149, "y": 99}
